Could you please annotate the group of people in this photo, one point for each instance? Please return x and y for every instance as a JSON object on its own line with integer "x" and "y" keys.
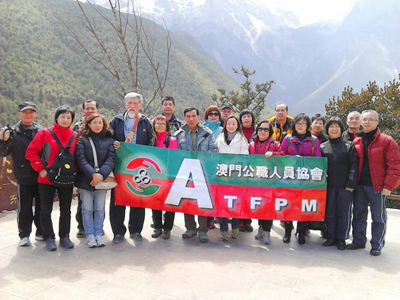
{"x": 363, "y": 168}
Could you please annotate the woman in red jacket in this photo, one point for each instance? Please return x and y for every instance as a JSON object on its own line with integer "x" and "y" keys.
{"x": 162, "y": 139}
{"x": 265, "y": 145}
{"x": 42, "y": 153}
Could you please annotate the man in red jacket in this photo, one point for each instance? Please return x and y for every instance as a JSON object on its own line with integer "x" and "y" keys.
{"x": 379, "y": 174}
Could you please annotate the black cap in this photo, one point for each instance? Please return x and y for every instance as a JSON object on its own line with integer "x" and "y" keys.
{"x": 27, "y": 105}
{"x": 227, "y": 105}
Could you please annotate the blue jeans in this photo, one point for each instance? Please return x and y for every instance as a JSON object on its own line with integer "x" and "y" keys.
{"x": 223, "y": 223}
{"x": 338, "y": 213}
{"x": 93, "y": 201}
{"x": 366, "y": 195}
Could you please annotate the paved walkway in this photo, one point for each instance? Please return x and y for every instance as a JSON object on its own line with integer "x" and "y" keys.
{"x": 185, "y": 269}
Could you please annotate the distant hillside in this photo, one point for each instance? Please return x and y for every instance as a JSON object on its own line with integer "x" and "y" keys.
{"x": 41, "y": 62}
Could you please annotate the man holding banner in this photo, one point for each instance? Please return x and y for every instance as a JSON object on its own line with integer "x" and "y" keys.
{"x": 129, "y": 127}
{"x": 195, "y": 137}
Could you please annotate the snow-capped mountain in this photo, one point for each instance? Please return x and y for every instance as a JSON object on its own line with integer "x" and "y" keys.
{"x": 310, "y": 63}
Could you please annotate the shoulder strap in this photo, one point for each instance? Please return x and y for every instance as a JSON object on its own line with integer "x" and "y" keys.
{"x": 131, "y": 134}
{"x": 71, "y": 140}
{"x": 313, "y": 142}
{"x": 56, "y": 138}
{"x": 96, "y": 164}
{"x": 166, "y": 141}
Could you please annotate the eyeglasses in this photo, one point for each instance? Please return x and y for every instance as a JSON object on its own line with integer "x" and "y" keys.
{"x": 301, "y": 124}
{"x": 213, "y": 114}
{"x": 161, "y": 124}
{"x": 265, "y": 129}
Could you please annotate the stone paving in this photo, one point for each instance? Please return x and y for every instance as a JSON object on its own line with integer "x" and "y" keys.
{"x": 185, "y": 269}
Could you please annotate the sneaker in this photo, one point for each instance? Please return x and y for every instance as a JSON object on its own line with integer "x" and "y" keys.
{"x": 203, "y": 237}
{"x": 353, "y": 246}
{"x": 39, "y": 238}
{"x": 211, "y": 225}
{"x": 375, "y": 252}
{"x": 166, "y": 234}
{"x": 248, "y": 228}
{"x": 266, "y": 238}
{"x": 118, "y": 239}
{"x": 80, "y": 234}
{"x": 156, "y": 233}
{"x": 99, "y": 241}
{"x": 51, "y": 245}
{"x": 24, "y": 242}
{"x": 189, "y": 233}
{"x": 329, "y": 242}
{"x": 91, "y": 241}
{"x": 235, "y": 233}
{"x": 136, "y": 236}
{"x": 224, "y": 236}
{"x": 259, "y": 233}
{"x": 66, "y": 243}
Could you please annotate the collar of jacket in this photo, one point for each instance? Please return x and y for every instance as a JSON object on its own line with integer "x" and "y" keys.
{"x": 201, "y": 128}
{"x": 18, "y": 127}
{"x": 273, "y": 119}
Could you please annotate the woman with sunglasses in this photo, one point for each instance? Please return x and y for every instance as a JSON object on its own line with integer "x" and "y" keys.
{"x": 264, "y": 144}
{"x": 162, "y": 139}
{"x": 300, "y": 143}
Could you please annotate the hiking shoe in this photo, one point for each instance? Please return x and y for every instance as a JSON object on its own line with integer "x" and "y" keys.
{"x": 189, "y": 233}
{"x": 266, "y": 238}
{"x": 118, "y": 239}
{"x": 24, "y": 242}
{"x": 166, "y": 234}
{"x": 203, "y": 237}
{"x": 136, "y": 236}
{"x": 224, "y": 236}
{"x": 235, "y": 233}
{"x": 80, "y": 234}
{"x": 156, "y": 233}
{"x": 375, "y": 252}
{"x": 91, "y": 241}
{"x": 259, "y": 233}
{"x": 66, "y": 243}
{"x": 99, "y": 241}
{"x": 51, "y": 245}
{"x": 329, "y": 242}
{"x": 341, "y": 245}
{"x": 353, "y": 246}
{"x": 248, "y": 228}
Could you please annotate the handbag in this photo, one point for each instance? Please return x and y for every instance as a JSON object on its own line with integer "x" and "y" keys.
{"x": 108, "y": 183}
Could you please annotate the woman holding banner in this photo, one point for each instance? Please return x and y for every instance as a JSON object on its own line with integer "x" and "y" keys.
{"x": 231, "y": 140}
{"x": 162, "y": 139}
{"x": 300, "y": 143}
{"x": 264, "y": 144}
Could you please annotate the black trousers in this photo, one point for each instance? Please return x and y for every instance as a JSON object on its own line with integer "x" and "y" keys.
{"x": 26, "y": 194}
{"x": 47, "y": 193}
{"x": 78, "y": 215}
{"x": 117, "y": 218}
{"x": 265, "y": 224}
{"x": 168, "y": 222}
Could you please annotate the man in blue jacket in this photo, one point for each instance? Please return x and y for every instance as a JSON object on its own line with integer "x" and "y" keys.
{"x": 129, "y": 127}
{"x": 195, "y": 137}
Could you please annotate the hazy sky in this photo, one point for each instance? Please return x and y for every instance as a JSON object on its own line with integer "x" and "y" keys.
{"x": 311, "y": 11}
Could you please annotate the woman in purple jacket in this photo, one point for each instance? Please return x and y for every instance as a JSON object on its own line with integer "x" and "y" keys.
{"x": 300, "y": 143}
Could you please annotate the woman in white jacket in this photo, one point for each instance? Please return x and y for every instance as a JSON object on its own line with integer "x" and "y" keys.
{"x": 231, "y": 140}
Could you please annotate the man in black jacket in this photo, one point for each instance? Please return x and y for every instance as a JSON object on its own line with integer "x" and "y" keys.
{"x": 129, "y": 127}
{"x": 28, "y": 189}
{"x": 354, "y": 123}
{"x": 168, "y": 110}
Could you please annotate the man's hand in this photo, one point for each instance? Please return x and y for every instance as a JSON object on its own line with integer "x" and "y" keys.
{"x": 43, "y": 173}
{"x": 117, "y": 145}
{"x": 4, "y": 134}
{"x": 386, "y": 192}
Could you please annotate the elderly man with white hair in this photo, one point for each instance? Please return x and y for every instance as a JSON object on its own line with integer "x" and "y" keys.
{"x": 378, "y": 175}
{"x": 129, "y": 127}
